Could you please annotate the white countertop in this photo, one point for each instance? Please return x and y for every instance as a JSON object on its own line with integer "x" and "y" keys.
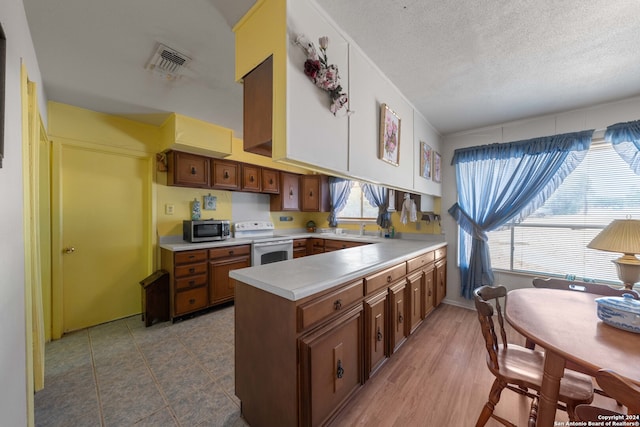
{"x": 312, "y": 274}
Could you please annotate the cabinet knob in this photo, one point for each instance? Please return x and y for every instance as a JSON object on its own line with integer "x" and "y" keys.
{"x": 193, "y": 170}
{"x": 400, "y": 318}
{"x": 252, "y": 178}
{"x": 389, "y": 279}
{"x": 192, "y": 282}
{"x": 192, "y": 270}
{"x": 69, "y": 250}
{"x": 379, "y": 334}
{"x": 226, "y": 174}
{"x": 340, "y": 370}
{"x": 291, "y": 192}
{"x": 310, "y": 193}
{"x": 271, "y": 181}
{"x": 192, "y": 301}
{"x": 337, "y": 305}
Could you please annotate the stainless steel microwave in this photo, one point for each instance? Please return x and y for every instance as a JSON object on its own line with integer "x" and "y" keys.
{"x": 206, "y": 230}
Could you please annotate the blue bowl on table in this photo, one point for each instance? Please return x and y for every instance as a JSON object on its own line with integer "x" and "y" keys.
{"x": 621, "y": 312}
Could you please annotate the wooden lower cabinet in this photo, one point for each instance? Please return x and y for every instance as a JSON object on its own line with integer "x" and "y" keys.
{"x": 299, "y": 248}
{"x": 414, "y": 300}
{"x": 297, "y": 363}
{"x": 221, "y": 262}
{"x": 330, "y": 367}
{"x": 200, "y": 278}
{"x": 316, "y": 246}
{"x": 429, "y": 291}
{"x": 440, "y": 280}
{"x": 397, "y": 316}
{"x": 376, "y": 328}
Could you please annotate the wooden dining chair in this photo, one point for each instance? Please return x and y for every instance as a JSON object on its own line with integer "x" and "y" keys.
{"x": 620, "y": 389}
{"x": 518, "y": 368}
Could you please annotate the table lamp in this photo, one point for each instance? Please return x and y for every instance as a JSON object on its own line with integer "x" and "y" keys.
{"x": 622, "y": 235}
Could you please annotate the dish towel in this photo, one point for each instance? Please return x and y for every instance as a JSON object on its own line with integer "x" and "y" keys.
{"x": 409, "y": 211}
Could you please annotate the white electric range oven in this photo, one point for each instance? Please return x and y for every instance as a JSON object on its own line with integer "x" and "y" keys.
{"x": 266, "y": 246}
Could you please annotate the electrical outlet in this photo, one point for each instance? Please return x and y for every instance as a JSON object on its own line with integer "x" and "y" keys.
{"x": 168, "y": 209}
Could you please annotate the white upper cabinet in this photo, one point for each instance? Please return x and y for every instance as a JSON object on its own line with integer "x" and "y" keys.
{"x": 368, "y": 90}
{"x": 314, "y": 135}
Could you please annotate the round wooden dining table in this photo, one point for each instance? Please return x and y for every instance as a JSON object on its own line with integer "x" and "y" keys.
{"x": 566, "y": 325}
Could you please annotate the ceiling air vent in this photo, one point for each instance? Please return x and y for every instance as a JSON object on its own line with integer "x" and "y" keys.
{"x": 167, "y": 62}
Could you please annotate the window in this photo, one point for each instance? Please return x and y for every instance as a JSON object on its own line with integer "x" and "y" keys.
{"x": 358, "y": 207}
{"x": 553, "y": 240}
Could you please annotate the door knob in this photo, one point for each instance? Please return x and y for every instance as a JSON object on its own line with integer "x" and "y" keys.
{"x": 69, "y": 250}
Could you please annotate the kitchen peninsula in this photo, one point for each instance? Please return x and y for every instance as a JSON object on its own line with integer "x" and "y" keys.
{"x": 310, "y": 331}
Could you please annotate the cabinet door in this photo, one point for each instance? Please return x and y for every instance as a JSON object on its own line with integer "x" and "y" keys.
{"x": 316, "y": 246}
{"x": 258, "y": 109}
{"x": 397, "y": 303}
{"x": 270, "y": 181}
{"x": 375, "y": 309}
{"x": 221, "y": 287}
{"x": 414, "y": 285}
{"x": 331, "y": 367}
{"x": 314, "y": 194}
{"x": 299, "y": 248}
{"x": 288, "y": 199}
{"x": 187, "y": 170}
{"x": 429, "y": 290}
{"x": 225, "y": 175}
{"x": 441, "y": 280}
{"x": 251, "y": 178}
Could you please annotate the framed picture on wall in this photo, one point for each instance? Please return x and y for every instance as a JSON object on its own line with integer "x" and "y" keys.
{"x": 437, "y": 167}
{"x": 389, "y": 144}
{"x": 425, "y": 160}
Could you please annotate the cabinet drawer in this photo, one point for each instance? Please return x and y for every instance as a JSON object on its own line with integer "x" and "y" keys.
{"x": 191, "y": 300}
{"x": 385, "y": 277}
{"x": 333, "y": 245}
{"x": 191, "y": 282}
{"x": 441, "y": 253}
{"x": 420, "y": 261}
{"x": 299, "y": 243}
{"x": 229, "y": 251}
{"x": 188, "y": 257}
{"x": 316, "y": 310}
{"x": 190, "y": 269}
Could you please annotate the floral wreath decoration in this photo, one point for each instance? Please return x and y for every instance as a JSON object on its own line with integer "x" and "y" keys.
{"x": 321, "y": 73}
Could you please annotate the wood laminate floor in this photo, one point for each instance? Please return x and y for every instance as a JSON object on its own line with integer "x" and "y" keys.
{"x": 123, "y": 374}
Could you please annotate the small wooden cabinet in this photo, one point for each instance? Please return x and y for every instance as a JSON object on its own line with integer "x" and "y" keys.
{"x": 221, "y": 262}
{"x": 335, "y": 245}
{"x": 299, "y": 248}
{"x": 225, "y": 175}
{"x": 270, "y": 181}
{"x": 251, "y": 178}
{"x": 414, "y": 300}
{"x": 376, "y": 336}
{"x": 200, "y": 278}
{"x": 441, "y": 280}
{"x": 258, "y": 109}
{"x": 429, "y": 292}
{"x": 314, "y": 195}
{"x": 289, "y": 197}
{"x": 187, "y": 170}
{"x": 397, "y": 316}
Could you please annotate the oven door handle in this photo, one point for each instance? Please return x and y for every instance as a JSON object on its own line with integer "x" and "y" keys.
{"x": 274, "y": 243}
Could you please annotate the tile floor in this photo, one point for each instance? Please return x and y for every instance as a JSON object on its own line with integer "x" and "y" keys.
{"x": 123, "y": 374}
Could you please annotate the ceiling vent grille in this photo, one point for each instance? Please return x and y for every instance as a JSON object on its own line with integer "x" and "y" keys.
{"x": 168, "y": 62}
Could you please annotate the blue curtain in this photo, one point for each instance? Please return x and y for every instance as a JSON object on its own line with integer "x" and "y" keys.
{"x": 339, "y": 189}
{"x": 499, "y": 183}
{"x": 625, "y": 139}
{"x": 377, "y": 197}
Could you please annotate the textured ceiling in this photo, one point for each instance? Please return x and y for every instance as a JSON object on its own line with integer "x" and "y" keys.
{"x": 463, "y": 64}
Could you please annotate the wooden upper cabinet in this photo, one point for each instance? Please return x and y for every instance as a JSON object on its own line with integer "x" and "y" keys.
{"x": 270, "y": 181}
{"x": 315, "y": 193}
{"x": 225, "y": 175}
{"x": 258, "y": 109}
{"x": 251, "y": 178}
{"x": 187, "y": 170}
{"x": 289, "y": 197}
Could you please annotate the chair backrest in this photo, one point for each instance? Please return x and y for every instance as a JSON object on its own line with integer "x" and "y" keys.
{"x": 588, "y": 287}
{"x": 487, "y": 301}
{"x": 620, "y": 389}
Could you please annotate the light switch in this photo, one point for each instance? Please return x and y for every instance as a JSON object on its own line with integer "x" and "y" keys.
{"x": 168, "y": 209}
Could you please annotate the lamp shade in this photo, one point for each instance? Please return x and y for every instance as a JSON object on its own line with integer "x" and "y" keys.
{"x": 622, "y": 235}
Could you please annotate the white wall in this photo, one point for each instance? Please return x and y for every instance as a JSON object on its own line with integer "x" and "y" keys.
{"x": 596, "y": 117}
{"x": 13, "y": 394}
